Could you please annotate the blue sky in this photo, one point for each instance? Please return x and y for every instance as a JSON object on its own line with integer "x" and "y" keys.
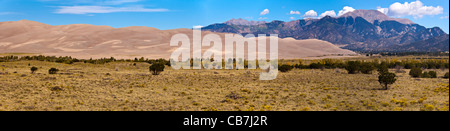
{"x": 172, "y": 14}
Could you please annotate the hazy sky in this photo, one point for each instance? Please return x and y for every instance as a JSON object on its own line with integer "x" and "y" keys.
{"x": 171, "y": 14}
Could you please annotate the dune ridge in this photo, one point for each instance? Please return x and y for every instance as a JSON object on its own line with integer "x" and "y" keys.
{"x": 90, "y": 41}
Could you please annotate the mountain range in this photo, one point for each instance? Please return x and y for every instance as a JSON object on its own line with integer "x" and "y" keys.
{"x": 90, "y": 41}
{"x": 359, "y": 30}
{"x": 438, "y": 43}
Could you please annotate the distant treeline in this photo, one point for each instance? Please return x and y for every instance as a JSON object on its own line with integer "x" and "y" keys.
{"x": 390, "y": 63}
{"x": 407, "y": 53}
{"x": 316, "y": 64}
{"x": 70, "y": 60}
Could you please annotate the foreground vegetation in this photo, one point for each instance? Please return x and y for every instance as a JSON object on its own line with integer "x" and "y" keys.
{"x": 129, "y": 85}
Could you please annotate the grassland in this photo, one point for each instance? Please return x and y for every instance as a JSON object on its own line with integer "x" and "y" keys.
{"x": 121, "y": 86}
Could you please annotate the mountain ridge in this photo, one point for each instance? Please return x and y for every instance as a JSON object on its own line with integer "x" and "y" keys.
{"x": 241, "y": 21}
{"x": 373, "y": 15}
{"x": 438, "y": 43}
{"x": 354, "y": 33}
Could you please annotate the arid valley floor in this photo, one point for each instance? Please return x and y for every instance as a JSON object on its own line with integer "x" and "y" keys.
{"x": 121, "y": 86}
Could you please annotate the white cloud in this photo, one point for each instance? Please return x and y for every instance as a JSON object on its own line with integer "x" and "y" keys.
{"x": 383, "y": 10}
{"x": 415, "y": 9}
{"x": 310, "y": 13}
{"x": 47, "y": 0}
{"x": 444, "y": 17}
{"x": 328, "y": 13}
{"x": 264, "y": 12}
{"x": 346, "y": 9}
{"x": 118, "y": 2}
{"x": 93, "y": 2}
{"x": 8, "y": 13}
{"x": 198, "y": 27}
{"x": 262, "y": 18}
{"x": 103, "y": 9}
{"x": 294, "y": 12}
{"x": 292, "y": 18}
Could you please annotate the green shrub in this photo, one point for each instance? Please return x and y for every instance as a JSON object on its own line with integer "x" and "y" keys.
{"x": 409, "y": 65}
{"x": 425, "y": 75}
{"x": 415, "y": 72}
{"x": 33, "y": 69}
{"x": 386, "y": 79}
{"x": 382, "y": 68}
{"x": 366, "y": 68}
{"x": 285, "y": 68}
{"x": 300, "y": 66}
{"x": 53, "y": 71}
{"x": 446, "y": 76}
{"x": 156, "y": 68}
{"x": 432, "y": 74}
{"x": 352, "y": 67}
{"x": 316, "y": 66}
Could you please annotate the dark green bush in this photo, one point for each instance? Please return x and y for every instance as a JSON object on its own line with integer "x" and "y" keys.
{"x": 382, "y": 68}
{"x": 352, "y": 67}
{"x": 300, "y": 66}
{"x": 432, "y": 74}
{"x": 285, "y": 68}
{"x": 156, "y": 68}
{"x": 53, "y": 71}
{"x": 316, "y": 66}
{"x": 386, "y": 79}
{"x": 446, "y": 76}
{"x": 366, "y": 68}
{"x": 425, "y": 75}
{"x": 415, "y": 72}
{"x": 33, "y": 69}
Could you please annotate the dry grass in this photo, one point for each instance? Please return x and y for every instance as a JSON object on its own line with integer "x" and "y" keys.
{"x": 122, "y": 86}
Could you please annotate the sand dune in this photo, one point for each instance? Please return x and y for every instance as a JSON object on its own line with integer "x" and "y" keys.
{"x": 90, "y": 41}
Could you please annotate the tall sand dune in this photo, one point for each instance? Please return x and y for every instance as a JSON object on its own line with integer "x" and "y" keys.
{"x": 90, "y": 41}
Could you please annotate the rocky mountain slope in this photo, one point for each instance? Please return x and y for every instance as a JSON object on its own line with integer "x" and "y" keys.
{"x": 241, "y": 21}
{"x": 372, "y": 15}
{"x": 360, "y": 30}
{"x": 438, "y": 43}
